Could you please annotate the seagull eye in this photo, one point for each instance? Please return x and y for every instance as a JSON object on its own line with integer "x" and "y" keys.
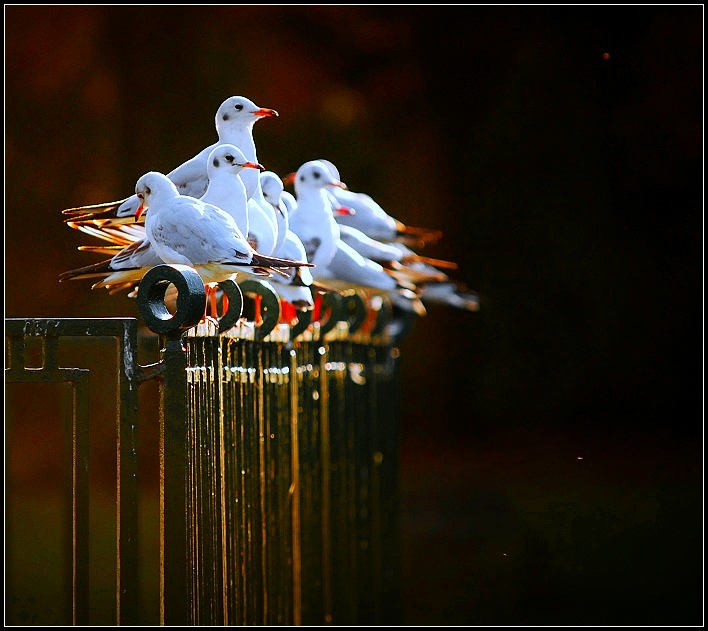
{"x": 238, "y": 107}
{"x": 141, "y": 196}
{"x": 316, "y": 175}
{"x": 229, "y": 158}
{"x": 147, "y": 190}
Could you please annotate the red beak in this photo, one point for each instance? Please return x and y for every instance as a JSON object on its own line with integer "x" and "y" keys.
{"x": 289, "y": 178}
{"x": 264, "y": 111}
{"x": 252, "y": 165}
{"x": 339, "y": 184}
{"x": 139, "y": 212}
{"x": 343, "y": 210}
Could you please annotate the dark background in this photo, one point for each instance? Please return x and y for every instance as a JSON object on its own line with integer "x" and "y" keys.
{"x": 552, "y": 442}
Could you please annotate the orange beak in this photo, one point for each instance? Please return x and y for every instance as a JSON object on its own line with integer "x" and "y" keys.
{"x": 339, "y": 184}
{"x": 289, "y": 178}
{"x": 264, "y": 111}
{"x": 253, "y": 165}
{"x": 343, "y": 210}
{"x": 139, "y": 212}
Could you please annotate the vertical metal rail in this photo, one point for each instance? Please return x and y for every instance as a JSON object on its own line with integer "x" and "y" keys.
{"x": 342, "y": 491}
{"x": 310, "y": 483}
{"x": 387, "y": 461}
{"x": 124, "y": 330}
{"x": 294, "y": 491}
{"x": 171, "y": 372}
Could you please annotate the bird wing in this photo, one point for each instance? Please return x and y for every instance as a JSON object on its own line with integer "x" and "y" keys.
{"x": 190, "y": 177}
{"x": 138, "y": 254}
{"x": 197, "y": 234}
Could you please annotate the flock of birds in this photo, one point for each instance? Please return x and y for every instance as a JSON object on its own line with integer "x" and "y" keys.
{"x": 227, "y": 217}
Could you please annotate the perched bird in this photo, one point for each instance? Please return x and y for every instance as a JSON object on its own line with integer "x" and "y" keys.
{"x": 297, "y": 289}
{"x": 234, "y": 121}
{"x": 373, "y": 220}
{"x": 313, "y": 220}
{"x": 360, "y": 211}
{"x": 272, "y": 189}
{"x": 225, "y": 190}
{"x": 181, "y": 229}
{"x": 446, "y": 290}
{"x": 188, "y": 231}
{"x": 262, "y": 229}
{"x": 336, "y": 263}
{"x": 394, "y": 258}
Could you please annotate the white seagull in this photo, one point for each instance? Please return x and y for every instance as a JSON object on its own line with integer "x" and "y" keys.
{"x": 234, "y": 121}
{"x": 373, "y": 220}
{"x": 313, "y": 221}
{"x": 136, "y": 254}
{"x": 336, "y": 263}
{"x": 446, "y": 291}
{"x": 395, "y": 259}
{"x": 297, "y": 289}
{"x": 214, "y": 224}
{"x": 272, "y": 189}
{"x": 188, "y": 231}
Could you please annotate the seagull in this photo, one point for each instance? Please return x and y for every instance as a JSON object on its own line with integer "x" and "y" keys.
{"x": 395, "y": 259}
{"x": 314, "y": 220}
{"x": 373, "y": 220}
{"x": 234, "y": 122}
{"x": 445, "y": 291}
{"x": 188, "y": 231}
{"x": 297, "y": 290}
{"x": 175, "y": 239}
{"x": 288, "y": 202}
{"x": 262, "y": 232}
{"x": 297, "y": 287}
{"x": 136, "y": 254}
{"x": 336, "y": 263}
{"x": 272, "y": 189}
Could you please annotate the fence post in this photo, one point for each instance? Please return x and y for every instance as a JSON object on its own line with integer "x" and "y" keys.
{"x": 191, "y": 301}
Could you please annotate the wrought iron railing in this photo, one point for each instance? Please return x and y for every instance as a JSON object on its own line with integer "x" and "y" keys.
{"x": 278, "y": 459}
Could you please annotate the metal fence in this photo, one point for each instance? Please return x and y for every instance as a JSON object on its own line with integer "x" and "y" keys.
{"x": 277, "y": 501}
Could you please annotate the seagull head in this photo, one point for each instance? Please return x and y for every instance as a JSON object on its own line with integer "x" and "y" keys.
{"x": 239, "y": 111}
{"x": 230, "y": 157}
{"x": 315, "y": 174}
{"x": 332, "y": 169}
{"x": 148, "y": 186}
{"x": 272, "y": 187}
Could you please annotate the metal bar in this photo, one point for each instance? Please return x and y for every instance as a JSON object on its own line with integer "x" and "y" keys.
{"x": 342, "y": 501}
{"x": 375, "y": 458}
{"x": 80, "y": 493}
{"x": 174, "y": 601}
{"x": 222, "y": 486}
{"x": 327, "y": 596}
{"x": 262, "y": 486}
{"x": 78, "y": 541}
{"x": 127, "y": 581}
{"x": 310, "y": 486}
{"x": 294, "y": 491}
{"x": 389, "y": 434}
